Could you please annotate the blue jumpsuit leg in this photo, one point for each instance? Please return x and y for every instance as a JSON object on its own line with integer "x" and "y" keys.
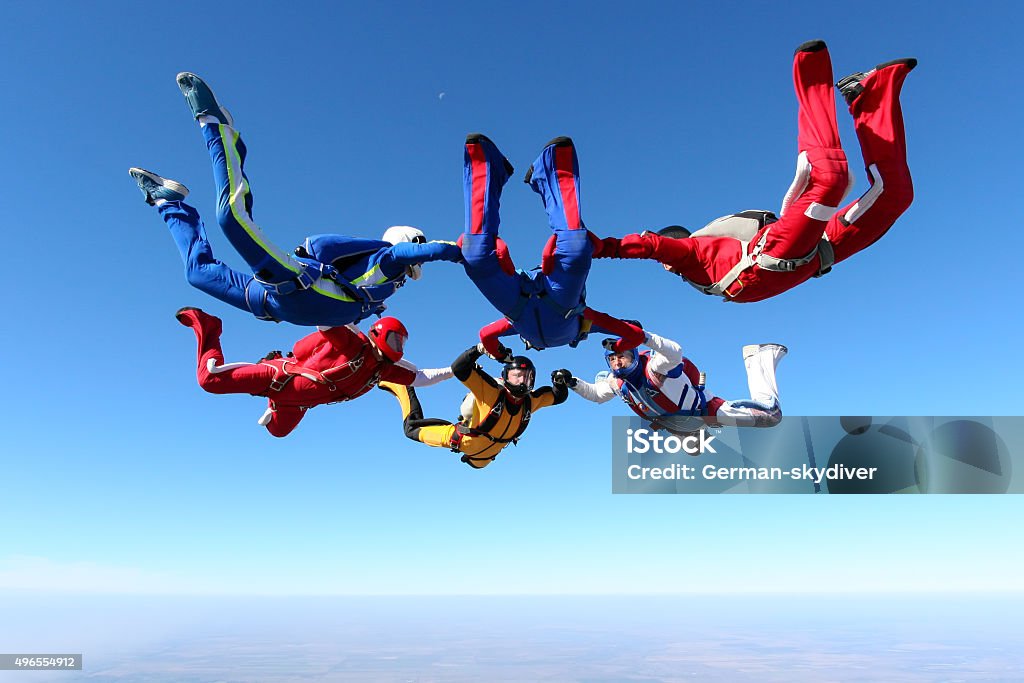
{"x": 555, "y": 176}
{"x": 202, "y": 270}
{"x": 234, "y": 207}
{"x": 485, "y": 173}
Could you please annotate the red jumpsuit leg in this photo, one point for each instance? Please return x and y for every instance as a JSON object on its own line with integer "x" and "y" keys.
{"x": 283, "y": 420}
{"x": 808, "y": 208}
{"x": 248, "y": 379}
{"x": 878, "y": 120}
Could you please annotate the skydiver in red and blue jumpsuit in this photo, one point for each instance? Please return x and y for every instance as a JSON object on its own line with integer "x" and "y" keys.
{"x": 811, "y": 232}
{"x": 546, "y": 306}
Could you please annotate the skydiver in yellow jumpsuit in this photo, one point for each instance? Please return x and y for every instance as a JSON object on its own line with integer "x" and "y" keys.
{"x": 494, "y": 414}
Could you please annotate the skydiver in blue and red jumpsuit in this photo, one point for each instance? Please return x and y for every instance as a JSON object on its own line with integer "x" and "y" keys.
{"x": 546, "y": 306}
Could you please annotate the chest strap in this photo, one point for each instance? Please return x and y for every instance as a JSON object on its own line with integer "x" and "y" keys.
{"x": 483, "y": 429}
{"x": 752, "y": 257}
{"x": 287, "y": 369}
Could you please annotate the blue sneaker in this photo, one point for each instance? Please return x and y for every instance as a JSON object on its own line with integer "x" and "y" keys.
{"x": 155, "y": 187}
{"x": 201, "y": 99}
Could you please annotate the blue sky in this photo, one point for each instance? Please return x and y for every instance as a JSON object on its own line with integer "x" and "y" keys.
{"x": 122, "y": 476}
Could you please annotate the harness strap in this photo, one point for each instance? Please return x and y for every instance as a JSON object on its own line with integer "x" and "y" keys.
{"x": 719, "y": 288}
{"x": 287, "y": 369}
{"x": 827, "y": 256}
{"x": 635, "y": 400}
{"x": 487, "y": 424}
{"x": 256, "y": 300}
{"x": 353, "y": 365}
{"x": 787, "y": 265}
{"x": 823, "y": 250}
{"x": 463, "y": 431}
{"x": 311, "y": 272}
{"x": 525, "y": 294}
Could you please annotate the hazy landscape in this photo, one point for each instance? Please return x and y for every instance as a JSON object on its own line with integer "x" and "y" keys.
{"x": 585, "y": 639}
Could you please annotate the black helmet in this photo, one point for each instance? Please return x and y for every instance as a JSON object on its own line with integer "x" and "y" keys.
{"x": 675, "y": 232}
{"x": 526, "y": 365}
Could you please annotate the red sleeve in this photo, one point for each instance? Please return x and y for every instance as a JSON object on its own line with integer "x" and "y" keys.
{"x": 284, "y": 420}
{"x": 304, "y": 347}
{"x": 639, "y": 246}
{"x": 631, "y": 336}
{"x": 489, "y": 335}
{"x": 397, "y": 374}
{"x": 338, "y": 337}
{"x": 604, "y": 248}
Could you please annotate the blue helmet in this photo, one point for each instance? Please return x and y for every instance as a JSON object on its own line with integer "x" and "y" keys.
{"x": 630, "y": 373}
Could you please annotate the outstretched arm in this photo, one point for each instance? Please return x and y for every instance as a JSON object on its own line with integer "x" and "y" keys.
{"x": 489, "y": 336}
{"x": 667, "y": 354}
{"x": 463, "y": 366}
{"x": 631, "y": 336}
{"x": 549, "y": 396}
{"x": 647, "y": 245}
{"x": 600, "y": 392}
{"x": 427, "y": 377}
{"x": 476, "y": 380}
{"x": 394, "y": 260}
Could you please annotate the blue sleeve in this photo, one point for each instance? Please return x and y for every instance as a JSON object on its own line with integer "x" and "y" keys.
{"x": 328, "y": 248}
{"x": 394, "y": 260}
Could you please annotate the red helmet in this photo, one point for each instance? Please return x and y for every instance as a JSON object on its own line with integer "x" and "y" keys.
{"x": 389, "y": 336}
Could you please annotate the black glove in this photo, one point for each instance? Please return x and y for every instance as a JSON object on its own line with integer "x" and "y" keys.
{"x": 563, "y": 376}
{"x": 504, "y": 354}
{"x": 609, "y": 343}
{"x": 273, "y": 355}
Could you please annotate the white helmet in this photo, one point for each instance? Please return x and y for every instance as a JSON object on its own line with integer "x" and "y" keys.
{"x": 406, "y": 233}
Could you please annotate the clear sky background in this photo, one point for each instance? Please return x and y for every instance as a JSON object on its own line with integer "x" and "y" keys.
{"x": 121, "y": 475}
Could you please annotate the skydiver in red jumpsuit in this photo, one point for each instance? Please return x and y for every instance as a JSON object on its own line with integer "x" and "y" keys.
{"x": 811, "y": 232}
{"x": 331, "y": 365}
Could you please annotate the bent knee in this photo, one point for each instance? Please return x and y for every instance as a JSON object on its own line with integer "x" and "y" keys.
{"x": 411, "y": 432}
{"x": 200, "y": 275}
{"x": 213, "y": 384}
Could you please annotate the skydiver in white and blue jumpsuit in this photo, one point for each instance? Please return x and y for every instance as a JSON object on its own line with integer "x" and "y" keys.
{"x": 331, "y": 280}
{"x": 664, "y": 387}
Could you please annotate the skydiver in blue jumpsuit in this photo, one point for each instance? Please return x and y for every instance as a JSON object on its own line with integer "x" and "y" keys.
{"x": 546, "y": 306}
{"x": 331, "y": 280}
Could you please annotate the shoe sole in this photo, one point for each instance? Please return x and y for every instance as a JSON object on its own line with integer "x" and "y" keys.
{"x": 178, "y": 315}
{"x": 811, "y": 46}
{"x": 560, "y": 141}
{"x": 477, "y": 138}
{"x": 171, "y": 185}
{"x": 751, "y": 349}
{"x": 909, "y": 61}
{"x": 224, "y": 113}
